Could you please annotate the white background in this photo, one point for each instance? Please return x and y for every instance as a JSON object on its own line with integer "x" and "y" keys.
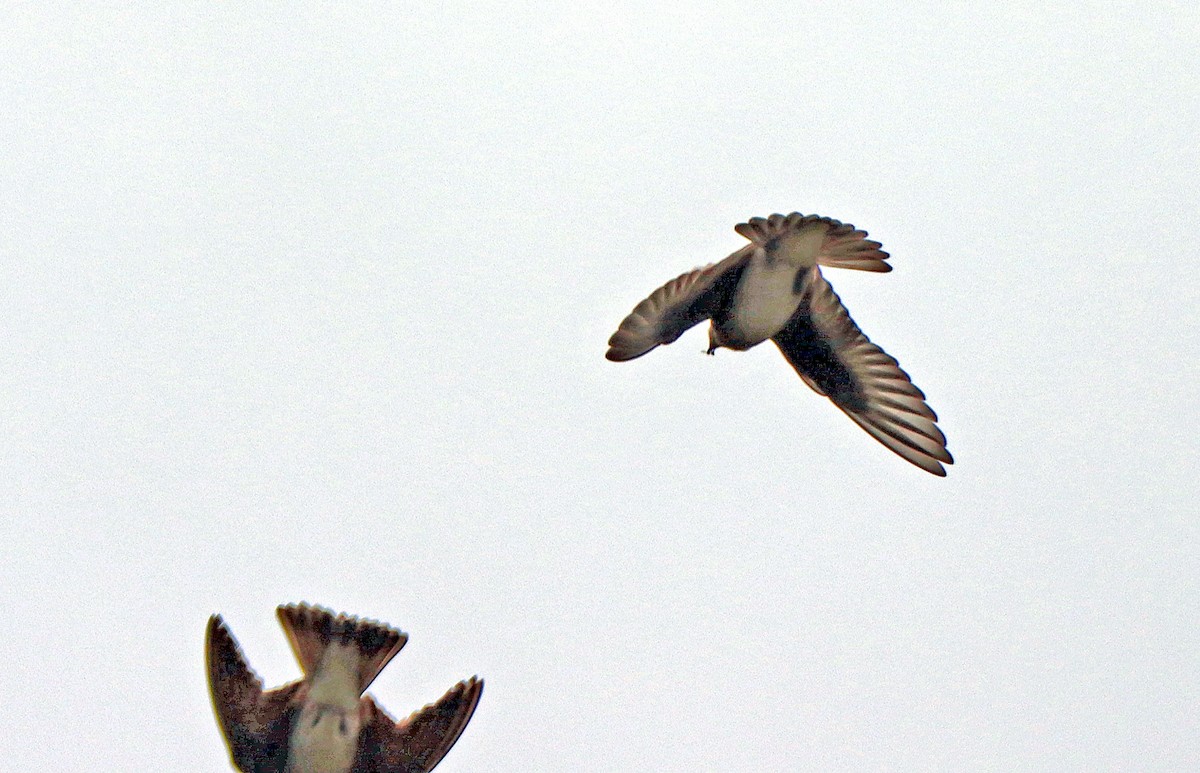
{"x": 312, "y": 305}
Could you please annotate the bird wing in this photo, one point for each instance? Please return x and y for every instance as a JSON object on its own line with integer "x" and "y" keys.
{"x": 418, "y": 743}
{"x": 831, "y": 242}
{"x": 685, "y": 301}
{"x": 256, "y": 724}
{"x": 834, "y": 358}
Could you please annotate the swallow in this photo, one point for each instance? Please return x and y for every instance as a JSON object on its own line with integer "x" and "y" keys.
{"x": 773, "y": 288}
{"x": 323, "y": 723}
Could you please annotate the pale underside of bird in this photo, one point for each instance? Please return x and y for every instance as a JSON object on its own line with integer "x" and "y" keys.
{"x": 322, "y": 723}
{"x": 773, "y": 289}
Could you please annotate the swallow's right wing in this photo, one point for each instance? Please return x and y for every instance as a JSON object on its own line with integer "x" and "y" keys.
{"x": 416, "y": 744}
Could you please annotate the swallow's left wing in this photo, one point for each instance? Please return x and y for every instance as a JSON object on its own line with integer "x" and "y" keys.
{"x": 834, "y": 358}
{"x": 416, "y": 744}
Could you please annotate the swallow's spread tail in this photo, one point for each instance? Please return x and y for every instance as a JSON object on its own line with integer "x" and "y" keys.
{"x": 831, "y": 242}
{"x": 312, "y": 629}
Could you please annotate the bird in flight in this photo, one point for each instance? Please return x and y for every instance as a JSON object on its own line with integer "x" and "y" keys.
{"x": 773, "y": 289}
{"x": 322, "y": 723}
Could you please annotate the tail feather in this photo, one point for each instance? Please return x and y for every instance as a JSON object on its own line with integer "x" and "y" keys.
{"x": 311, "y": 629}
{"x": 842, "y": 245}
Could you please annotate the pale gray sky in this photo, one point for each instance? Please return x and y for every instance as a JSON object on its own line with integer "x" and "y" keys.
{"x": 312, "y": 305}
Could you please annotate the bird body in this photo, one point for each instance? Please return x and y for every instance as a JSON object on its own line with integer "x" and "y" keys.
{"x": 773, "y": 289}
{"x": 324, "y": 738}
{"x": 322, "y": 723}
{"x": 763, "y": 301}
{"x": 767, "y": 293}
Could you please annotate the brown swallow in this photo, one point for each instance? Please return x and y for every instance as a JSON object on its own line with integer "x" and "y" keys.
{"x": 773, "y": 289}
{"x": 322, "y": 723}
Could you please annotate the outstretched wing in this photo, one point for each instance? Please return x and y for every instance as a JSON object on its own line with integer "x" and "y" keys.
{"x": 829, "y": 242}
{"x": 834, "y": 358}
{"x": 256, "y": 724}
{"x": 685, "y": 301}
{"x": 416, "y": 744}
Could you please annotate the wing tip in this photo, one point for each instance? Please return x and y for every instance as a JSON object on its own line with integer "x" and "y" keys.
{"x": 928, "y": 459}
{"x": 617, "y": 354}
{"x": 625, "y": 345}
{"x": 474, "y": 688}
{"x": 222, "y": 651}
{"x": 469, "y": 691}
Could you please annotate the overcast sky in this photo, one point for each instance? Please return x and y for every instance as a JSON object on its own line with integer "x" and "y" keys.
{"x": 312, "y": 305}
